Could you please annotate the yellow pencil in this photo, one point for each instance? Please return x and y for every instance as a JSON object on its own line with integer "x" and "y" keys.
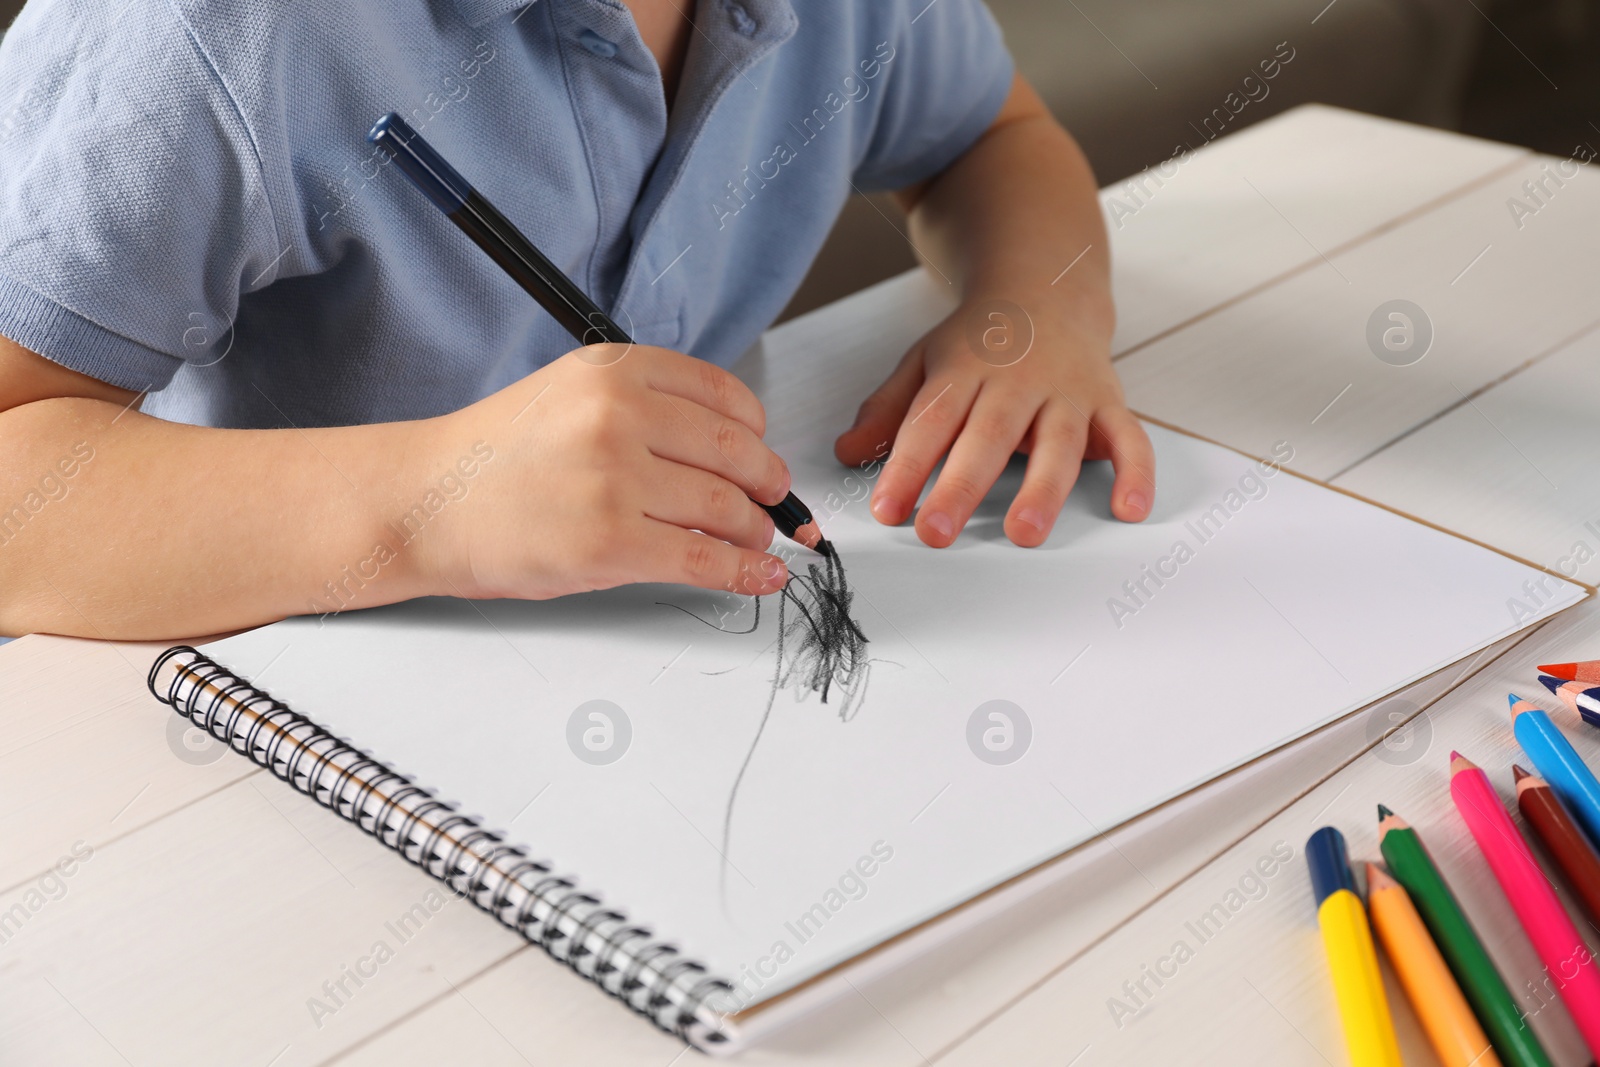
{"x": 1451, "y": 1027}
{"x": 1368, "y": 1030}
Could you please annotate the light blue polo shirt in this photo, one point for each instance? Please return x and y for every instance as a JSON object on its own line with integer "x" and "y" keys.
{"x": 188, "y": 203}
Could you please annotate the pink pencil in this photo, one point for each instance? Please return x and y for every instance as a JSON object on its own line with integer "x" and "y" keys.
{"x": 1566, "y": 958}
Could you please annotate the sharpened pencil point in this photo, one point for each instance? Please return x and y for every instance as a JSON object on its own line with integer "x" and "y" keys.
{"x": 1383, "y": 812}
{"x": 1512, "y": 699}
{"x": 1560, "y": 670}
{"x": 810, "y": 535}
{"x": 1518, "y": 774}
{"x": 1454, "y": 755}
{"x": 1552, "y": 684}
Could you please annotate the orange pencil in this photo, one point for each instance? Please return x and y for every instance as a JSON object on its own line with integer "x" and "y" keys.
{"x": 1451, "y": 1027}
{"x": 1586, "y": 671}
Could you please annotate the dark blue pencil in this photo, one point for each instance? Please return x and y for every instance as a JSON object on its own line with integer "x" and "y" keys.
{"x": 543, "y": 280}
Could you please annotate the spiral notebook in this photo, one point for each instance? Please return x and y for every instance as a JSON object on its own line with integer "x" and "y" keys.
{"x": 693, "y": 805}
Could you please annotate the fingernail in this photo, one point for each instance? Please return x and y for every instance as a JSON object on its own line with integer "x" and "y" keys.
{"x": 941, "y": 524}
{"x": 1032, "y": 517}
{"x": 888, "y": 510}
{"x": 1138, "y": 502}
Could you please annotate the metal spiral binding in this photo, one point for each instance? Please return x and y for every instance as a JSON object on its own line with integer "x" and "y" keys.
{"x": 550, "y": 910}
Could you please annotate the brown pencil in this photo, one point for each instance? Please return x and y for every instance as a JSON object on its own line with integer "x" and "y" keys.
{"x": 1561, "y": 838}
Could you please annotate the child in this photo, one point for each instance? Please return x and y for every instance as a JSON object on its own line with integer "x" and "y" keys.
{"x": 235, "y": 344}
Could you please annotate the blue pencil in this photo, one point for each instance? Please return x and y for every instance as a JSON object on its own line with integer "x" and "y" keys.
{"x": 1558, "y": 763}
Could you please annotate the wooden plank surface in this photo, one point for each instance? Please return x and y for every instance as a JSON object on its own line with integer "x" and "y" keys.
{"x": 1256, "y": 988}
{"x": 1531, "y": 443}
{"x": 1293, "y": 363}
{"x": 1207, "y": 227}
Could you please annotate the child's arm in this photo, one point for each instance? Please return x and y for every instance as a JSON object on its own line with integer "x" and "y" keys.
{"x": 1002, "y": 224}
{"x": 114, "y": 524}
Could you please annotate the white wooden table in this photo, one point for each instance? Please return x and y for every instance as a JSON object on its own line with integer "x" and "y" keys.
{"x": 214, "y": 903}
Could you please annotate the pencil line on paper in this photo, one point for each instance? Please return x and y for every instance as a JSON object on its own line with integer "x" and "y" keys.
{"x": 725, "y": 860}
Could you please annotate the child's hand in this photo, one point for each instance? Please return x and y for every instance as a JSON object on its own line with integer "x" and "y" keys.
{"x": 605, "y": 465}
{"x": 976, "y": 387}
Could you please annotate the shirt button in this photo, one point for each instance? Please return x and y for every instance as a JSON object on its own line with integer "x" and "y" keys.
{"x": 597, "y": 44}
{"x": 740, "y": 16}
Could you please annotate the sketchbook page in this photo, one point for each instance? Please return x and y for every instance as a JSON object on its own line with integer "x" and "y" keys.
{"x": 1007, "y": 704}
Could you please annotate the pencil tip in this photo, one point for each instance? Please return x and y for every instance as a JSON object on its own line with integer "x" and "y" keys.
{"x": 1454, "y": 755}
{"x": 1518, "y": 774}
{"x": 1552, "y": 684}
{"x": 1560, "y": 670}
{"x": 810, "y": 535}
{"x": 1383, "y": 812}
{"x": 1513, "y": 699}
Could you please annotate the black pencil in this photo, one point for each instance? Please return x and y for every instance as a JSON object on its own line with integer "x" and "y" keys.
{"x": 544, "y": 281}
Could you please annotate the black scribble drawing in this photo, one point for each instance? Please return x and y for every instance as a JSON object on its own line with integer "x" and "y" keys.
{"x": 820, "y": 649}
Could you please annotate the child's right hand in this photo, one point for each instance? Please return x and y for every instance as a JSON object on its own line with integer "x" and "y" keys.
{"x": 607, "y": 465}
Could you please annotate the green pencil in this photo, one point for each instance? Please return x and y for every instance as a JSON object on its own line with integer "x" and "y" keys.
{"x": 1409, "y": 862}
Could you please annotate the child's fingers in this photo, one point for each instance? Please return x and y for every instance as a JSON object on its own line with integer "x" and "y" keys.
{"x": 694, "y": 499}
{"x": 994, "y": 427}
{"x": 672, "y": 554}
{"x": 686, "y": 432}
{"x": 880, "y": 414}
{"x": 1121, "y": 436}
{"x": 707, "y": 385}
{"x": 1059, "y": 435}
{"x": 931, "y": 424}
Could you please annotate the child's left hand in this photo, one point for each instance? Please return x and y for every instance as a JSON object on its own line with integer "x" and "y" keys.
{"x": 988, "y": 381}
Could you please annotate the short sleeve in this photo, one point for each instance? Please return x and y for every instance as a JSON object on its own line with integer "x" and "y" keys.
{"x": 947, "y": 74}
{"x": 132, "y": 208}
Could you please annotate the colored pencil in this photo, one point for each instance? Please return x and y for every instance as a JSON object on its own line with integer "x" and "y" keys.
{"x": 1368, "y": 1030}
{"x": 1566, "y": 958}
{"x": 1486, "y": 991}
{"x": 1451, "y": 1027}
{"x": 1581, "y": 697}
{"x": 1585, "y": 671}
{"x": 569, "y": 305}
{"x": 1558, "y": 763}
{"x": 1561, "y": 838}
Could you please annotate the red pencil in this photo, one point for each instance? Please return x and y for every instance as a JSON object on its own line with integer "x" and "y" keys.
{"x": 1565, "y": 843}
{"x": 1586, "y": 671}
{"x": 1567, "y": 960}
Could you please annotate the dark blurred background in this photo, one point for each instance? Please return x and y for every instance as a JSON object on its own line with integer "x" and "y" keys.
{"x": 1134, "y": 78}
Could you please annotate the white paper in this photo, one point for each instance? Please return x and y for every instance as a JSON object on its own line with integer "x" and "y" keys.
{"x": 1299, "y": 605}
